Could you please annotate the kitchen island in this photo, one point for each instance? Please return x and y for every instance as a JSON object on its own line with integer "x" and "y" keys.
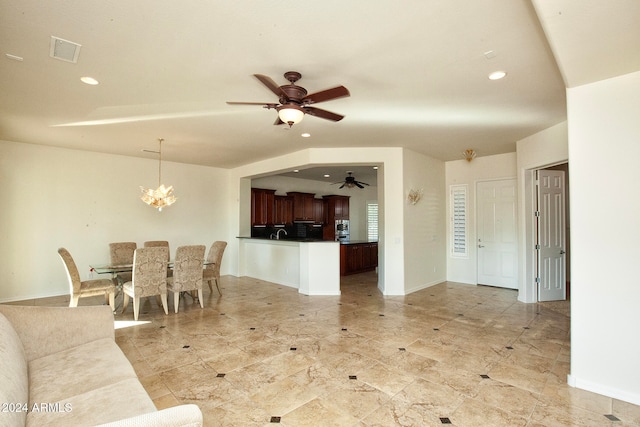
{"x": 358, "y": 256}
{"x": 312, "y": 266}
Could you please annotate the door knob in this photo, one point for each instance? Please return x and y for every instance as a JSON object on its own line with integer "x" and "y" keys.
{"x": 562, "y": 252}
{"x": 481, "y": 246}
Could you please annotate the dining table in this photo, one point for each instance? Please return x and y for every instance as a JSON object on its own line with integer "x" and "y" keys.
{"x": 114, "y": 269}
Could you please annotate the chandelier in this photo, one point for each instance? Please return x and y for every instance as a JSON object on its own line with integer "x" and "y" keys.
{"x": 161, "y": 196}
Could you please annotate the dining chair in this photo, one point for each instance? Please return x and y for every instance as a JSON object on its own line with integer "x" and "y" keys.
{"x": 187, "y": 273}
{"x": 161, "y": 244}
{"x": 122, "y": 253}
{"x": 87, "y": 288}
{"x": 158, "y": 244}
{"x": 214, "y": 259}
{"x": 149, "y": 278}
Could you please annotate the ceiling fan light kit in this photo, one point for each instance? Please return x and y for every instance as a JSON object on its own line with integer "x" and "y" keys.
{"x": 294, "y": 102}
{"x": 290, "y": 114}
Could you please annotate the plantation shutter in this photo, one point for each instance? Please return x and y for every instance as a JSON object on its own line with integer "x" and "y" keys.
{"x": 459, "y": 220}
{"x": 372, "y": 220}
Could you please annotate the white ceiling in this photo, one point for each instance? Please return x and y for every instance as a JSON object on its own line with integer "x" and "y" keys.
{"x": 417, "y": 73}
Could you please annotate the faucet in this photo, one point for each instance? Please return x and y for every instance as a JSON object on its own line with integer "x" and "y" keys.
{"x": 278, "y": 233}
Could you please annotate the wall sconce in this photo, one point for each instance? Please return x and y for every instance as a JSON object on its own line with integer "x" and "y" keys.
{"x": 469, "y": 154}
{"x": 414, "y": 196}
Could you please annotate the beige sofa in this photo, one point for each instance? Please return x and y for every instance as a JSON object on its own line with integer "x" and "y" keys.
{"x": 61, "y": 366}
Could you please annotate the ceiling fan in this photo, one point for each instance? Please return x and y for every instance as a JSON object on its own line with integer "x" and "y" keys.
{"x": 350, "y": 182}
{"x": 293, "y": 101}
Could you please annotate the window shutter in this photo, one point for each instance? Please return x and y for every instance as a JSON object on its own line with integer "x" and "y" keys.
{"x": 459, "y": 220}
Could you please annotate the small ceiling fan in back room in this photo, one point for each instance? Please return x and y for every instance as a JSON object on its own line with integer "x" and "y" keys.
{"x": 350, "y": 182}
{"x": 293, "y": 101}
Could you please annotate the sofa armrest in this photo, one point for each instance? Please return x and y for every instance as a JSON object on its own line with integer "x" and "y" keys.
{"x": 176, "y": 416}
{"x": 48, "y": 330}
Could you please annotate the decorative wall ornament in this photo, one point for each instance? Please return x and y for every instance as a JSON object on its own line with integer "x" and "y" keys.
{"x": 414, "y": 196}
{"x": 161, "y": 196}
{"x": 469, "y": 154}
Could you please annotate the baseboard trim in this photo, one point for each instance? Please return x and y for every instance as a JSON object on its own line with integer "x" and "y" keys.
{"x": 604, "y": 390}
{"x": 424, "y": 286}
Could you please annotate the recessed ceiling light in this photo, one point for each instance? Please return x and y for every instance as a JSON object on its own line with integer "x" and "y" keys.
{"x": 296, "y": 170}
{"x": 89, "y": 80}
{"x": 375, "y": 167}
{"x": 326, "y": 175}
{"x": 305, "y": 135}
{"x": 497, "y": 75}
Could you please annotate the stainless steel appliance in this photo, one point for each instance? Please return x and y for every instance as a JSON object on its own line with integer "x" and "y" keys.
{"x": 342, "y": 229}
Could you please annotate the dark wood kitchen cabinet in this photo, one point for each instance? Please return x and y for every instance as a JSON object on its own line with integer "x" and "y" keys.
{"x": 318, "y": 211}
{"x": 283, "y": 213}
{"x": 336, "y": 207}
{"x": 262, "y": 206}
{"x": 303, "y": 204}
{"x": 358, "y": 257}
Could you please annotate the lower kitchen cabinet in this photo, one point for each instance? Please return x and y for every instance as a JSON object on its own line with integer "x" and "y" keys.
{"x": 358, "y": 257}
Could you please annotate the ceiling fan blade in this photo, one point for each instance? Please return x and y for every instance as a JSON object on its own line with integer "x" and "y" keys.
{"x": 264, "y": 104}
{"x": 323, "y": 114}
{"x": 326, "y": 95}
{"x": 342, "y": 186}
{"x": 273, "y": 86}
{"x": 358, "y": 184}
{"x": 278, "y": 122}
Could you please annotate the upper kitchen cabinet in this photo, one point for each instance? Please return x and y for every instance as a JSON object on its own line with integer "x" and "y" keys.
{"x": 337, "y": 207}
{"x": 262, "y": 206}
{"x": 318, "y": 211}
{"x": 283, "y": 210}
{"x": 303, "y": 206}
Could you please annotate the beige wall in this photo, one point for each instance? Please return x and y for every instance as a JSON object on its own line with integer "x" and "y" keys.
{"x": 82, "y": 200}
{"x": 424, "y": 222}
{"x": 604, "y": 148}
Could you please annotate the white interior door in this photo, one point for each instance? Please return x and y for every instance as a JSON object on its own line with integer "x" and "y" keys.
{"x": 551, "y": 236}
{"x": 497, "y": 233}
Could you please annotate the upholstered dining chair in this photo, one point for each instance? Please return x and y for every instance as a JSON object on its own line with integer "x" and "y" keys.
{"x": 214, "y": 259}
{"x": 161, "y": 244}
{"x": 158, "y": 244}
{"x": 187, "y": 272}
{"x": 149, "y": 278}
{"x": 87, "y": 288}
{"x": 122, "y": 253}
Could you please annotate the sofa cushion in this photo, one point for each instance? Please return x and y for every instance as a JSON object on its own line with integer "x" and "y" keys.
{"x": 14, "y": 379}
{"x": 113, "y": 402}
{"x": 77, "y": 370}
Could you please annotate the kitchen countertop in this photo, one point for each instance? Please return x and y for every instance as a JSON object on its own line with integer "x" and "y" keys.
{"x": 303, "y": 239}
{"x": 292, "y": 239}
{"x": 357, "y": 242}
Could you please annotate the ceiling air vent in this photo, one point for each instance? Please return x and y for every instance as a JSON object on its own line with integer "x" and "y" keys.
{"x": 64, "y": 50}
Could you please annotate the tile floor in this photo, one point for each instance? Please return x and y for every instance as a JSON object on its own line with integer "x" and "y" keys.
{"x": 452, "y": 354}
